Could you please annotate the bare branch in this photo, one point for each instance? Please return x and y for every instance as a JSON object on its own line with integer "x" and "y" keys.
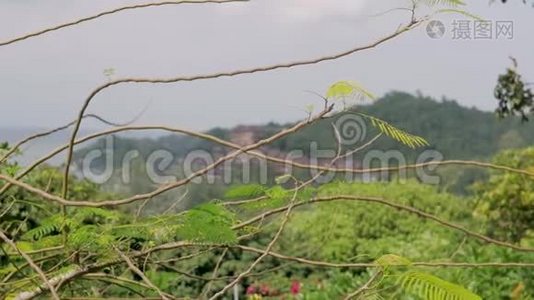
{"x": 136, "y": 270}
{"x": 268, "y": 158}
{"x": 110, "y": 12}
{"x": 265, "y": 254}
{"x": 34, "y": 266}
{"x": 365, "y": 287}
{"x": 207, "y": 289}
{"x": 103, "y": 87}
{"x": 444, "y": 264}
{"x": 52, "y": 131}
{"x": 167, "y": 187}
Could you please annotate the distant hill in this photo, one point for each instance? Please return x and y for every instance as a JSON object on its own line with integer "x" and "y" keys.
{"x": 455, "y": 131}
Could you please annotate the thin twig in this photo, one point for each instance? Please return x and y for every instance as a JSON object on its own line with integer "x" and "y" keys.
{"x": 170, "y": 186}
{"x": 136, "y": 270}
{"x": 262, "y": 256}
{"x": 34, "y": 266}
{"x": 103, "y": 87}
{"x": 110, "y": 12}
{"x": 365, "y": 287}
{"x": 272, "y": 159}
{"x": 52, "y": 131}
{"x": 207, "y": 289}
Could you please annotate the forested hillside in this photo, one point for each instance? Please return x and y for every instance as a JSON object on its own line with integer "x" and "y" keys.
{"x": 454, "y": 131}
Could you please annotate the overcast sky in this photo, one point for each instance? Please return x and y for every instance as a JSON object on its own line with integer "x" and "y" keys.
{"x": 43, "y": 81}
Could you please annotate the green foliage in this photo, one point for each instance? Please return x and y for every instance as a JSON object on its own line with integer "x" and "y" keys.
{"x": 209, "y": 223}
{"x": 456, "y": 132}
{"x": 340, "y": 231}
{"x": 430, "y": 287}
{"x": 407, "y": 139}
{"x": 514, "y": 97}
{"x": 365, "y": 232}
{"x": 339, "y": 284}
{"x": 276, "y": 196}
{"x": 244, "y": 191}
{"x": 349, "y": 229}
{"x": 95, "y": 215}
{"x": 347, "y": 89}
{"x": 452, "y": 3}
{"x": 491, "y": 283}
{"x": 52, "y": 225}
{"x": 84, "y": 226}
{"x": 506, "y": 200}
{"x": 388, "y": 260}
{"x": 424, "y": 285}
{"x": 459, "y": 12}
{"x": 93, "y": 239}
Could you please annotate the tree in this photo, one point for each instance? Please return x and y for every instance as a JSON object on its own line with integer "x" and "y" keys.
{"x": 507, "y": 200}
{"x": 513, "y": 94}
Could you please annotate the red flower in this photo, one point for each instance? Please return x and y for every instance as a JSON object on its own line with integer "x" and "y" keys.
{"x": 251, "y": 290}
{"x": 264, "y": 290}
{"x": 295, "y": 288}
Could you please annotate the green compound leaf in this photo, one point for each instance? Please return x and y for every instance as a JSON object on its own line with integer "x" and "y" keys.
{"x": 410, "y": 140}
{"x": 208, "y": 223}
{"x": 345, "y": 89}
{"x": 459, "y": 12}
{"x": 451, "y": 3}
{"x": 430, "y": 287}
{"x": 392, "y": 260}
{"x": 244, "y": 191}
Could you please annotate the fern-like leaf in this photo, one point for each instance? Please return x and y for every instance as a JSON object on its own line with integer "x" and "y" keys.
{"x": 392, "y": 260}
{"x": 208, "y": 223}
{"x": 459, "y": 12}
{"x": 86, "y": 213}
{"x": 52, "y": 225}
{"x": 373, "y": 295}
{"x": 244, "y": 191}
{"x": 410, "y": 140}
{"x": 90, "y": 238}
{"x": 275, "y": 197}
{"x": 345, "y": 89}
{"x": 430, "y": 287}
{"x": 47, "y": 242}
{"x": 451, "y": 3}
